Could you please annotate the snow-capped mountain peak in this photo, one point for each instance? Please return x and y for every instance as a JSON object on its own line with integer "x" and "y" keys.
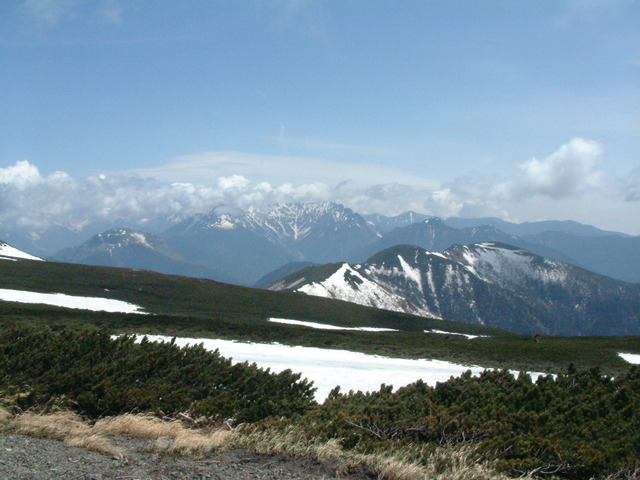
{"x": 486, "y": 283}
{"x": 8, "y": 252}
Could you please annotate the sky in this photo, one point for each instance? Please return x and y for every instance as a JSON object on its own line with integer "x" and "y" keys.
{"x": 520, "y": 110}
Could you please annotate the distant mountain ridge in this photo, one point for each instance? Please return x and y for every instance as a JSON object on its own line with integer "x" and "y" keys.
{"x": 254, "y": 242}
{"x": 434, "y": 235}
{"x": 245, "y": 245}
{"x": 486, "y": 283}
{"x": 125, "y": 247}
{"x": 531, "y": 228}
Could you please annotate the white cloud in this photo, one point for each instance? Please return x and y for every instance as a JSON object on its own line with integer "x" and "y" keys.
{"x": 569, "y": 171}
{"x": 20, "y": 175}
{"x": 566, "y": 184}
{"x": 208, "y": 167}
{"x": 632, "y": 186}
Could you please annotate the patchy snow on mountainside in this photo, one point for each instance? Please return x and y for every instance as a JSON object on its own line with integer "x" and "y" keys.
{"x": 349, "y": 285}
{"x": 328, "y": 368}
{"x": 631, "y": 358}
{"x": 96, "y": 304}
{"x": 11, "y": 252}
{"x": 470, "y": 337}
{"x": 501, "y": 265}
{"x": 411, "y": 273}
{"x": 324, "y": 326}
{"x": 141, "y": 239}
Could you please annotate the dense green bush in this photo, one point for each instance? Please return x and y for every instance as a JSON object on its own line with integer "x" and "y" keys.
{"x": 580, "y": 424}
{"x": 98, "y": 375}
{"x": 577, "y": 425}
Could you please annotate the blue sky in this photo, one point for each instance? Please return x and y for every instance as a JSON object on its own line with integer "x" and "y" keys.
{"x": 523, "y": 110}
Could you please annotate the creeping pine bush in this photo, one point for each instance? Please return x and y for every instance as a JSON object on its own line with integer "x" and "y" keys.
{"x": 581, "y": 424}
{"x": 98, "y": 376}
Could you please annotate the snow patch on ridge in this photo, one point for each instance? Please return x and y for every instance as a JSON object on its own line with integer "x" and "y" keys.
{"x": 412, "y": 273}
{"x": 96, "y": 304}
{"x": 349, "y": 285}
{"x": 11, "y": 252}
{"x": 633, "y": 358}
{"x": 140, "y": 238}
{"x": 505, "y": 266}
{"x": 470, "y": 337}
{"x": 324, "y": 326}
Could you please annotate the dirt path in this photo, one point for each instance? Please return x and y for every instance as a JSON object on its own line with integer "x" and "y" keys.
{"x": 24, "y": 458}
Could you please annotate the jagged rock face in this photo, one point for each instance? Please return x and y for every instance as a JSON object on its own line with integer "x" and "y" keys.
{"x": 255, "y": 242}
{"x": 487, "y": 283}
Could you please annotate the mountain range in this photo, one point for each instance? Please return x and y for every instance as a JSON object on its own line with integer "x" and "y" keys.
{"x": 486, "y": 283}
{"x": 125, "y": 247}
{"x": 242, "y": 246}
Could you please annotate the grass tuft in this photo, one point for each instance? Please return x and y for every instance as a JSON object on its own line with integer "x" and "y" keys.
{"x": 5, "y": 418}
{"x": 95, "y": 443}
{"x": 139, "y": 426}
{"x": 170, "y": 436}
{"x": 64, "y": 426}
{"x": 58, "y": 425}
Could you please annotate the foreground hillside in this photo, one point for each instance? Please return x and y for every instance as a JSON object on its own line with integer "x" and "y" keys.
{"x": 579, "y": 424}
{"x": 203, "y": 308}
{"x": 191, "y": 307}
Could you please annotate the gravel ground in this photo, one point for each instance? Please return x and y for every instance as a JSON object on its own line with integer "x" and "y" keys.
{"x": 24, "y": 458}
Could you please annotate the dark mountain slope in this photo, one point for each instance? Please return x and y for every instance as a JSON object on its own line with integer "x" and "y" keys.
{"x": 125, "y": 247}
{"x": 487, "y": 283}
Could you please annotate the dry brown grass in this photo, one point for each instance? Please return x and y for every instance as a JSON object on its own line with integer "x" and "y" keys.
{"x": 453, "y": 463}
{"x": 58, "y": 425}
{"x": 95, "y": 443}
{"x": 139, "y": 426}
{"x": 64, "y": 426}
{"x": 171, "y": 436}
{"x": 5, "y": 417}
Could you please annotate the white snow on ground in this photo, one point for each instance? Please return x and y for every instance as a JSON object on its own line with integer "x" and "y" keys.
{"x": 323, "y": 326}
{"x": 9, "y": 251}
{"x": 454, "y": 333}
{"x": 631, "y": 358}
{"x": 96, "y": 304}
{"x": 328, "y": 368}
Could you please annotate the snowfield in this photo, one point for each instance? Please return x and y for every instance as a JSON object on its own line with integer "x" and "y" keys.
{"x": 11, "y": 252}
{"x": 96, "y": 304}
{"x": 631, "y": 358}
{"x": 328, "y": 368}
{"x": 323, "y": 326}
{"x": 466, "y": 335}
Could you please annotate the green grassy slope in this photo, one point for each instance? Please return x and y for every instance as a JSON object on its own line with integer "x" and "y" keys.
{"x": 184, "y": 306}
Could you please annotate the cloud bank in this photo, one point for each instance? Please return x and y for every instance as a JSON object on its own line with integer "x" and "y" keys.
{"x": 568, "y": 183}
